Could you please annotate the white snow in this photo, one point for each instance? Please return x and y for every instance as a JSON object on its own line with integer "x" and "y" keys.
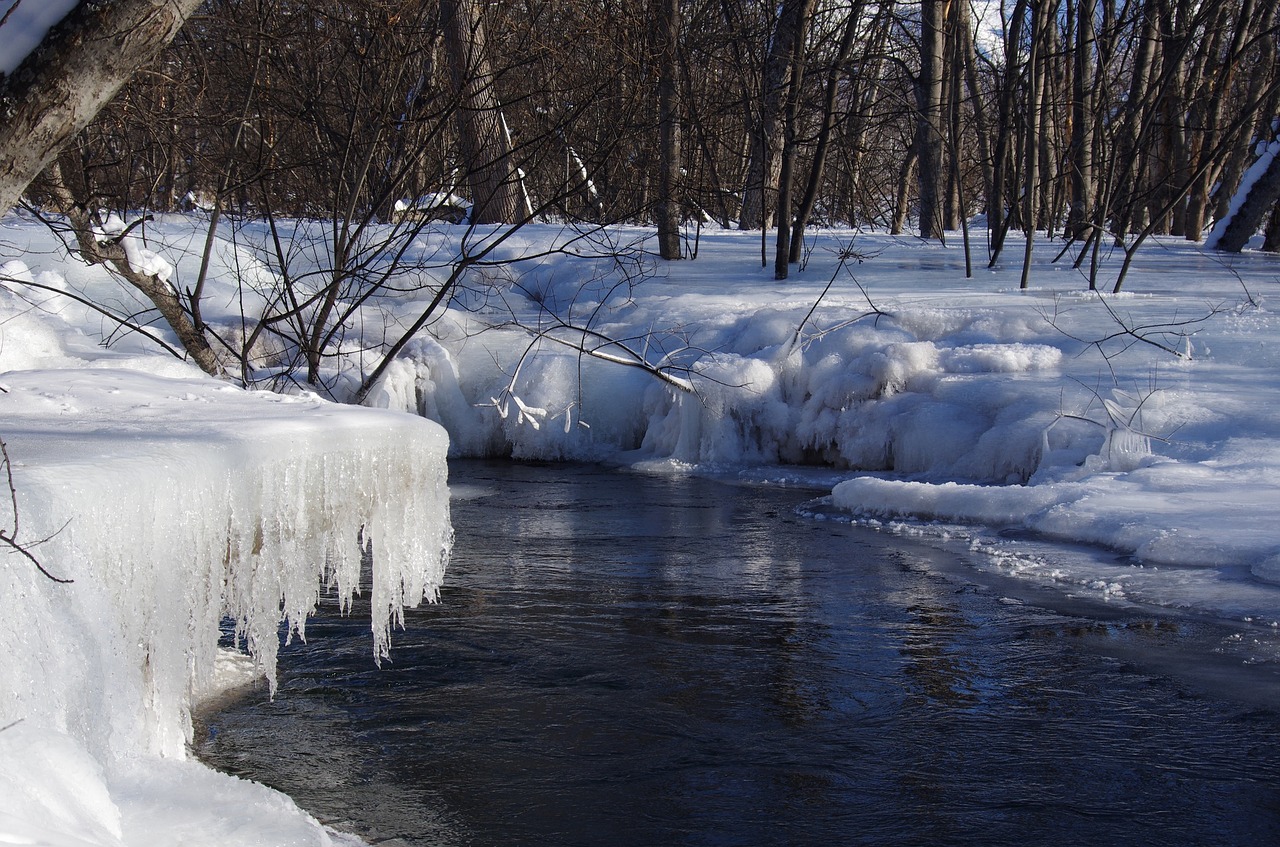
{"x": 429, "y": 202}
{"x": 1142, "y": 424}
{"x": 1123, "y": 447}
{"x": 174, "y": 502}
{"x": 25, "y": 24}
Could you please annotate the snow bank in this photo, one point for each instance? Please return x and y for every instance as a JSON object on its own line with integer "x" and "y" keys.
{"x": 952, "y": 400}
{"x": 174, "y": 504}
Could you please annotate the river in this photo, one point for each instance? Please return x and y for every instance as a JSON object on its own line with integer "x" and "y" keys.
{"x": 627, "y": 659}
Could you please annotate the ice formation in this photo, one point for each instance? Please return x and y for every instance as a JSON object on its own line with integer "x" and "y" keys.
{"x": 173, "y": 505}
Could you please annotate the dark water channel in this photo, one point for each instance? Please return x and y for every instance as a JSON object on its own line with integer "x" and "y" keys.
{"x": 631, "y": 660}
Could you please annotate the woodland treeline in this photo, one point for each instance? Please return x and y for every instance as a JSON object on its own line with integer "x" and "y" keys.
{"x": 300, "y": 127}
{"x": 1089, "y": 119}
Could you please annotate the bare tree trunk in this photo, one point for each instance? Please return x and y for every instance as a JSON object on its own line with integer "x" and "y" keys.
{"x": 969, "y": 65}
{"x": 1253, "y": 210}
{"x": 1271, "y": 241}
{"x": 1000, "y": 157}
{"x": 1081, "y": 158}
{"x": 902, "y": 199}
{"x": 865, "y": 82}
{"x": 765, "y": 165}
{"x": 790, "y": 116}
{"x": 956, "y": 216}
{"x": 933, "y": 15}
{"x": 1210, "y": 108}
{"x": 667, "y": 37}
{"x": 1035, "y": 98}
{"x": 112, "y": 253}
{"x": 824, "y": 133}
{"x": 81, "y": 64}
{"x": 486, "y": 144}
{"x": 1126, "y": 204}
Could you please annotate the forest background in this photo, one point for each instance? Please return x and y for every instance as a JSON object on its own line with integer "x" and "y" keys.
{"x": 1100, "y": 122}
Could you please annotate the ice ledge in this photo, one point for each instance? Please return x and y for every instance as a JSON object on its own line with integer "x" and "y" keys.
{"x": 172, "y": 503}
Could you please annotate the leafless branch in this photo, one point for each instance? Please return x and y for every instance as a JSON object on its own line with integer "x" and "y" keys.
{"x": 9, "y": 537}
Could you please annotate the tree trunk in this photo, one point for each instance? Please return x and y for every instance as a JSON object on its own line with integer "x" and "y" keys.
{"x": 1035, "y": 98}
{"x": 667, "y": 36}
{"x": 765, "y": 164}
{"x": 969, "y": 65}
{"x": 902, "y": 198}
{"x": 997, "y": 217}
{"x": 824, "y": 134}
{"x": 77, "y": 69}
{"x": 1261, "y": 197}
{"x": 1210, "y": 112}
{"x": 1271, "y": 241}
{"x": 112, "y": 253}
{"x": 933, "y": 14}
{"x": 790, "y": 116}
{"x": 1081, "y": 157}
{"x": 486, "y": 144}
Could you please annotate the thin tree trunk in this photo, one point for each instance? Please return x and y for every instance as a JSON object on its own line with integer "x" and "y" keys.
{"x": 765, "y": 166}
{"x": 1081, "y": 158}
{"x": 1035, "y": 94}
{"x": 824, "y": 134}
{"x": 786, "y": 178}
{"x": 996, "y": 195}
{"x": 981, "y": 124}
{"x": 933, "y": 15}
{"x": 668, "y": 207}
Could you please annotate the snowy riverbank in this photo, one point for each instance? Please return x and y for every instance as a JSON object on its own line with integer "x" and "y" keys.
{"x": 1143, "y": 424}
{"x": 172, "y": 502}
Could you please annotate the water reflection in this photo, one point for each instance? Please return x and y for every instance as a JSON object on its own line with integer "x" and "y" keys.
{"x": 626, "y": 660}
{"x": 934, "y": 664}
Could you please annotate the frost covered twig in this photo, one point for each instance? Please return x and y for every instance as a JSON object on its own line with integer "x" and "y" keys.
{"x": 600, "y": 346}
{"x": 1126, "y": 440}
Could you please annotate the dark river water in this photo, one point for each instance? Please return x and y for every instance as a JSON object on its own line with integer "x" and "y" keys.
{"x": 621, "y": 659}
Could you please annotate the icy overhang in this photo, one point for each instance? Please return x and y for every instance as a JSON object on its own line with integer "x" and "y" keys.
{"x": 173, "y": 504}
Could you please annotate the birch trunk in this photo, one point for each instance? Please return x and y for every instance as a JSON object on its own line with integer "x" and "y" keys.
{"x": 76, "y": 70}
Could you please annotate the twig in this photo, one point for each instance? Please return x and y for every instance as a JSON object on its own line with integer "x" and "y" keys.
{"x": 10, "y": 539}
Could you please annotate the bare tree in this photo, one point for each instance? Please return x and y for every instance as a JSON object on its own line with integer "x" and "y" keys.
{"x": 765, "y": 162}
{"x": 929, "y": 138}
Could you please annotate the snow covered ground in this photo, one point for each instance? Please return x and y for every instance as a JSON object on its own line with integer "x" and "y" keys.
{"x": 1143, "y": 424}
{"x": 1125, "y": 447}
{"x": 174, "y": 503}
